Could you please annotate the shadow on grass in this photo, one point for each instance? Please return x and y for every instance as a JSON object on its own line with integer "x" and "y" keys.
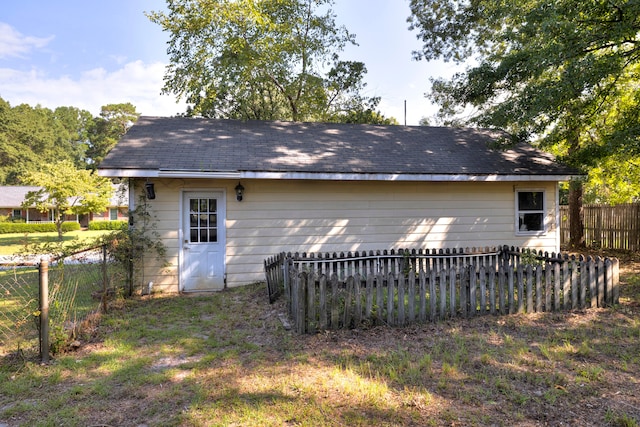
{"x": 224, "y": 358}
{"x": 19, "y": 244}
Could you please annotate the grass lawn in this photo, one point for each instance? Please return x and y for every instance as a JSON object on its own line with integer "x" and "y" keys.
{"x": 14, "y": 243}
{"x": 225, "y": 359}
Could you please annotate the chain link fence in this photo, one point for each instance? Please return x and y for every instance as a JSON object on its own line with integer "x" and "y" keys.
{"x": 18, "y": 308}
{"x": 77, "y": 287}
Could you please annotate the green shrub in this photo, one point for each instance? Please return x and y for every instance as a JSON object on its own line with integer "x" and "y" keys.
{"x": 70, "y": 226}
{"x": 17, "y": 227}
{"x": 108, "y": 225}
{"x": 9, "y": 218}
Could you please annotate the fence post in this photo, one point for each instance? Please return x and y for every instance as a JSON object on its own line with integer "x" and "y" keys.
{"x": 616, "y": 280}
{"x": 130, "y": 271}
{"x": 104, "y": 278}
{"x": 286, "y": 283}
{"x": 43, "y": 271}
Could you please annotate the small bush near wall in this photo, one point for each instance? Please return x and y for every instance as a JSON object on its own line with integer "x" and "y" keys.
{"x": 9, "y": 218}
{"x": 14, "y": 227}
{"x": 108, "y": 225}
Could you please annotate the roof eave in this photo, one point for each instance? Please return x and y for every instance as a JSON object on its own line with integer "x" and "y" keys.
{"x": 404, "y": 177}
{"x": 330, "y": 176}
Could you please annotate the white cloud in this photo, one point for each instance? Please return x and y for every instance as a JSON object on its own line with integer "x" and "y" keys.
{"x": 14, "y": 44}
{"x": 135, "y": 82}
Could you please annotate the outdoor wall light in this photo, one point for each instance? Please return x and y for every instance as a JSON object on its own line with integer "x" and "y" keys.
{"x": 239, "y": 192}
{"x": 151, "y": 192}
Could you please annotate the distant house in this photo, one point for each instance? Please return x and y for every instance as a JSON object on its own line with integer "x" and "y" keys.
{"x": 229, "y": 194}
{"x": 12, "y": 197}
{"x": 118, "y": 209}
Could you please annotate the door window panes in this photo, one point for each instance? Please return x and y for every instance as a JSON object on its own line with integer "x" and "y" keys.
{"x": 203, "y": 221}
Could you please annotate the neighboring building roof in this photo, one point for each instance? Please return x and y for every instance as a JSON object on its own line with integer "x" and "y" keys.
{"x": 190, "y": 147}
{"x": 12, "y": 196}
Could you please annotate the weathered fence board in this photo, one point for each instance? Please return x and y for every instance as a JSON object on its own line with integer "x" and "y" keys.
{"x": 606, "y": 226}
{"x": 397, "y": 294}
{"x": 274, "y": 269}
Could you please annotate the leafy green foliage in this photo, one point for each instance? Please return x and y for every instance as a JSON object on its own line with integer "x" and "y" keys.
{"x": 260, "y": 59}
{"x": 362, "y": 113}
{"x": 563, "y": 74}
{"x": 108, "y": 225}
{"x": 614, "y": 180}
{"x": 18, "y": 227}
{"x": 136, "y": 242}
{"x": 66, "y": 190}
{"x": 30, "y": 136}
{"x": 113, "y": 123}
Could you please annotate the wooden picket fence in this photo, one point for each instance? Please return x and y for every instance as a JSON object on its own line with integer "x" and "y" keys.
{"x": 606, "y": 226}
{"x": 385, "y": 261}
{"x": 407, "y": 287}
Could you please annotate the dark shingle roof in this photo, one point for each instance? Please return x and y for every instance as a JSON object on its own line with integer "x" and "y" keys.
{"x": 208, "y": 145}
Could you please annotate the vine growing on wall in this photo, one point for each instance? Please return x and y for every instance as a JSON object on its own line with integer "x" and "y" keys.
{"x": 138, "y": 242}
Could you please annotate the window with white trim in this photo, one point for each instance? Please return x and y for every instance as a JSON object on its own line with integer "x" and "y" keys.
{"x": 113, "y": 214}
{"x": 530, "y": 212}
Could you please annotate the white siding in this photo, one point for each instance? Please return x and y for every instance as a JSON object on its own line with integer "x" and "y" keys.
{"x": 334, "y": 216}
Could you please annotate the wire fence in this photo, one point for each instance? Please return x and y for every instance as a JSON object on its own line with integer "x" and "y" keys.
{"x": 78, "y": 286}
{"x": 18, "y": 308}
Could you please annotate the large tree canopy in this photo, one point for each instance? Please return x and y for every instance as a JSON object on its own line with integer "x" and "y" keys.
{"x": 30, "y": 136}
{"x": 541, "y": 66}
{"x": 562, "y": 73}
{"x": 113, "y": 123}
{"x": 262, "y": 59}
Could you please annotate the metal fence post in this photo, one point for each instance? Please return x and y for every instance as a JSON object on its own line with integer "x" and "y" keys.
{"x": 130, "y": 271}
{"x": 44, "y": 310}
{"x": 104, "y": 278}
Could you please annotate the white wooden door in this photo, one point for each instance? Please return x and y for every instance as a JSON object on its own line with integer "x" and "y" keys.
{"x": 203, "y": 242}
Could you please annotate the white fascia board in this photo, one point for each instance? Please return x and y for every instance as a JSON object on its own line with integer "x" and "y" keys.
{"x": 155, "y": 173}
{"x": 128, "y": 173}
{"x": 195, "y": 174}
{"x": 403, "y": 177}
{"x": 151, "y": 173}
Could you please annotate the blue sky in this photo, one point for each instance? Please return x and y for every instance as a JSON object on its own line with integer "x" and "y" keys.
{"x": 86, "y": 54}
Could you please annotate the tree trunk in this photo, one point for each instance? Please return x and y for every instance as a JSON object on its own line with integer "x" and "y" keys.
{"x": 59, "y": 230}
{"x": 576, "y": 219}
{"x": 58, "y": 218}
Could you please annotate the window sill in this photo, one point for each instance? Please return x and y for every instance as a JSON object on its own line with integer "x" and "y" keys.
{"x": 531, "y": 233}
